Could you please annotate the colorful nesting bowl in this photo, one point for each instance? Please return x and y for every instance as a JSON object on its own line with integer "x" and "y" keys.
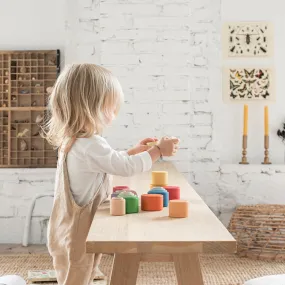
{"x": 159, "y": 178}
{"x": 178, "y": 209}
{"x": 174, "y": 192}
{"x": 124, "y": 193}
{"x": 116, "y": 188}
{"x": 132, "y": 204}
{"x": 118, "y": 206}
{"x": 161, "y": 191}
{"x": 154, "y": 186}
{"x": 151, "y": 202}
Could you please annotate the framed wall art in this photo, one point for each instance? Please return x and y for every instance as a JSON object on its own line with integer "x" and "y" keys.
{"x": 247, "y": 39}
{"x": 248, "y": 84}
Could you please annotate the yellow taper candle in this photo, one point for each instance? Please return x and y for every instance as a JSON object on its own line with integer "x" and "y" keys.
{"x": 245, "y": 119}
{"x": 266, "y": 127}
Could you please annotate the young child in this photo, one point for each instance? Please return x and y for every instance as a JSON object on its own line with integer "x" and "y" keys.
{"x": 85, "y": 99}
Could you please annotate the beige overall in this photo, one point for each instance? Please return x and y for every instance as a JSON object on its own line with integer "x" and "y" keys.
{"x": 69, "y": 226}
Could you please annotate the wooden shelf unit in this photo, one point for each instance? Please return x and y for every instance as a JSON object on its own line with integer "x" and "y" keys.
{"x": 25, "y": 78}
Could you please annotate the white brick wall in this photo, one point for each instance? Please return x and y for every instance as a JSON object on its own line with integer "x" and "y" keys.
{"x": 166, "y": 54}
{"x": 223, "y": 187}
{"x": 152, "y": 49}
{"x": 18, "y": 187}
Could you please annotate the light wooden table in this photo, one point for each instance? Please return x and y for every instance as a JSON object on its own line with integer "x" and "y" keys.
{"x": 153, "y": 236}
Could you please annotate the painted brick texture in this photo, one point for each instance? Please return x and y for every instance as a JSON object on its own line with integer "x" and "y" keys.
{"x": 166, "y": 54}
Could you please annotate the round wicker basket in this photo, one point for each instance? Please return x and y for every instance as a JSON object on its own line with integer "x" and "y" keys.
{"x": 259, "y": 231}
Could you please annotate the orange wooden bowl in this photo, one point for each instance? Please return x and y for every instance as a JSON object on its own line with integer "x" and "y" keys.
{"x": 153, "y": 186}
{"x": 178, "y": 209}
{"x": 151, "y": 202}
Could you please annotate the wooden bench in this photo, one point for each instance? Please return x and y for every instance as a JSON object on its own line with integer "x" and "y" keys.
{"x": 153, "y": 236}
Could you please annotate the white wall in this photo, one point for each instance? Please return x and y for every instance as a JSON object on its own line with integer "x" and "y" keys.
{"x": 167, "y": 54}
{"x": 29, "y": 24}
{"x": 230, "y": 131}
{"x": 32, "y": 24}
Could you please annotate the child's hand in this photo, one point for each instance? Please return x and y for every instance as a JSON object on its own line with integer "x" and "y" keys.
{"x": 141, "y": 146}
{"x": 168, "y": 146}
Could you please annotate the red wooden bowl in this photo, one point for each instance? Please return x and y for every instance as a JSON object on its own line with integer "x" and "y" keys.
{"x": 174, "y": 192}
{"x": 116, "y": 188}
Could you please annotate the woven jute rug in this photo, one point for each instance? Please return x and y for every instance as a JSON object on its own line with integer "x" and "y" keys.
{"x": 218, "y": 269}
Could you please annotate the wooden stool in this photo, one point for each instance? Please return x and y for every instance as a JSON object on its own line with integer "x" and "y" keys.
{"x": 151, "y": 202}
{"x": 178, "y": 209}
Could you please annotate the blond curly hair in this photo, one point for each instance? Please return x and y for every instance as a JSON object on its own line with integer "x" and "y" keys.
{"x": 84, "y": 100}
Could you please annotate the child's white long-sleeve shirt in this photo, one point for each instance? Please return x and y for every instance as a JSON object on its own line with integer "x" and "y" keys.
{"x": 90, "y": 158}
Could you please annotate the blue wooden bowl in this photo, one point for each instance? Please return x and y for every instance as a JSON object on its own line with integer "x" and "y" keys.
{"x": 161, "y": 191}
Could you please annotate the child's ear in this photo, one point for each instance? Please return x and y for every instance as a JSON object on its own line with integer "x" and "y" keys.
{"x": 111, "y": 117}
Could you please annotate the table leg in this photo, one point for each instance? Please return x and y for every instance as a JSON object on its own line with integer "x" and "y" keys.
{"x": 125, "y": 269}
{"x": 187, "y": 267}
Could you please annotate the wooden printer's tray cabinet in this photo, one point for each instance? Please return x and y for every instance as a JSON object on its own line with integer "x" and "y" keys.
{"x": 26, "y": 78}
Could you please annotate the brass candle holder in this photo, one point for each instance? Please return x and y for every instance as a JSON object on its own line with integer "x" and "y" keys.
{"x": 266, "y": 150}
{"x": 244, "y": 151}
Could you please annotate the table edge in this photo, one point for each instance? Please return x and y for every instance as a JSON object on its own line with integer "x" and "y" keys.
{"x": 161, "y": 247}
